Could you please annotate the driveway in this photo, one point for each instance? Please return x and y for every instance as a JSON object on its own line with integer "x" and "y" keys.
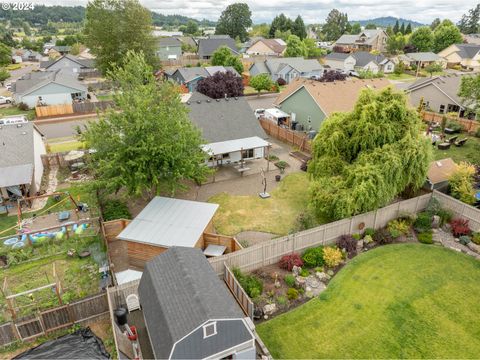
{"x": 63, "y": 128}
{"x": 262, "y": 101}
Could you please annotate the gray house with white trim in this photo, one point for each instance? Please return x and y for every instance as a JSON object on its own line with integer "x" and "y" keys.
{"x": 287, "y": 68}
{"x": 70, "y": 65}
{"x": 189, "y": 312}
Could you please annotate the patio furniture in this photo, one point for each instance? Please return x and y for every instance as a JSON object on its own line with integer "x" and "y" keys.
{"x": 460, "y": 143}
{"x": 64, "y": 215}
{"x": 214, "y": 250}
{"x": 444, "y": 146}
{"x": 452, "y": 139}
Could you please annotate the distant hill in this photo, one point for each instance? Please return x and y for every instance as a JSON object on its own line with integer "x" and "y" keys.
{"x": 387, "y": 21}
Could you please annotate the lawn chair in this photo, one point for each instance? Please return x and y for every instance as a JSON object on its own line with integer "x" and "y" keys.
{"x": 460, "y": 143}
{"x": 132, "y": 302}
{"x": 452, "y": 139}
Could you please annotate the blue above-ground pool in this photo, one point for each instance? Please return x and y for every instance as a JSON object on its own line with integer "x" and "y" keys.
{"x": 11, "y": 241}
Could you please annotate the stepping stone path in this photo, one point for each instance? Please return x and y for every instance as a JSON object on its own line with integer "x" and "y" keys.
{"x": 313, "y": 286}
{"x": 447, "y": 240}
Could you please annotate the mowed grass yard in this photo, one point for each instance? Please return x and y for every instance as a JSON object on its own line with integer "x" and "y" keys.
{"x": 275, "y": 215}
{"x": 397, "y": 301}
{"x": 469, "y": 152}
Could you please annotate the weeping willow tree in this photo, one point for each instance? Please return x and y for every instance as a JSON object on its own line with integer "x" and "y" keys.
{"x": 364, "y": 158}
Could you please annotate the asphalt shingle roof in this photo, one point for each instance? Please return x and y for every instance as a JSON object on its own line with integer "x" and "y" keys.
{"x": 468, "y": 51}
{"x": 169, "y": 41}
{"x": 222, "y": 120}
{"x": 424, "y": 56}
{"x": 298, "y": 63}
{"x": 363, "y": 58}
{"x": 206, "y": 47}
{"x": 35, "y": 80}
{"x": 192, "y": 73}
{"x": 86, "y": 63}
{"x": 180, "y": 291}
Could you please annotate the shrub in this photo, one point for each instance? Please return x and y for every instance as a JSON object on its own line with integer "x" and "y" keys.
{"x": 292, "y": 294}
{"x": 281, "y": 82}
{"x": 398, "y": 228}
{"x": 304, "y": 273}
{"x": 304, "y": 221}
{"x": 113, "y": 209}
{"x": 445, "y": 216}
{"x": 349, "y": 243}
{"x": 332, "y": 256}
{"x": 423, "y": 222}
{"x": 273, "y": 157}
{"x": 464, "y": 240}
{"x": 313, "y": 257}
{"x": 477, "y": 133}
{"x": 250, "y": 283}
{"x": 356, "y": 236}
{"x": 461, "y": 183}
{"x": 23, "y": 107}
{"x": 289, "y": 280}
{"x": 369, "y": 231}
{"x": 282, "y": 300}
{"x": 460, "y": 227}
{"x": 281, "y": 164}
{"x": 367, "y": 239}
{"x": 476, "y": 238}
{"x": 382, "y": 236}
{"x": 454, "y": 125}
{"x": 433, "y": 206}
{"x": 425, "y": 237}
{"x": 287, "y": 262}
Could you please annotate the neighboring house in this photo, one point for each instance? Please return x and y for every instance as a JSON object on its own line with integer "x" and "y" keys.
{"x": 206, "y": 47}
{"x": 47, "y": 47}
{"x": 189, "y": 312}
{"x": 169, "y": 48}
{"x": 188, "y": 40}
{"x": 367, "y": 40}
{"x": 466, "y": 55}
{"x": 438, "y": 174}
{"x": 62, "y": 50}
{"x": 191, "y": 76}
{"x": 21, "y": 167}
{"x": 360, "y": 60}
{"x": 230, "y": 127}
{"x": 438, "y": 93}
{"x": 472, "y": 39}
{"x": 287, "y": 68}
{"x": 166, "y": 222}
{"x": 267, "y": 47}
{"x": 69, "y": 65}
{"x": 165, "y": 33}
{"x": 48, "y": 88}
{"x": 309, "y": 102}
{"x": 422, "y": 59}
{"x": 30, "y": 55}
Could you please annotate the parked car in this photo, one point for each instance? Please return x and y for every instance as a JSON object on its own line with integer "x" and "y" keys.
{"x": 259, "y": 113}
{"x": 5, "y": 100}
{"x": 8, "y": 86}
{"x": 353, "y": 73}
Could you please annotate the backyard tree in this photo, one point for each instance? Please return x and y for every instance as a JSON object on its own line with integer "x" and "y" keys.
{"x": 445, "y": 35}
{"x": 295, "y": 47}
{"x": 433, "y": 68}
{"x": 280, "y": 23}
{"x": 312, "y": 51}
{"x": 4, "y": 75}
{"x": 5, "y": 55}
{"x": 113, "y": 27}
{"x": 335, "y": 25}
{"x": 224, "y": 57}
{"x": 422, "y": 39}
{"x": 191, "y": 28}
{"x": 150, "y": 146}
{"x": 298, "y": 28}
{"x": 234, "y": 21}
{"x": 470, "y": 93}
{"x": 221, "y": 84}
{"x": 261, "y": 82}
{"x": 363, "y": 159}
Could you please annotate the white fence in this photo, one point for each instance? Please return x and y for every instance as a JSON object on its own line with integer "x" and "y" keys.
{"x": 460, "y": 209}
{"x": 271, "y": 251}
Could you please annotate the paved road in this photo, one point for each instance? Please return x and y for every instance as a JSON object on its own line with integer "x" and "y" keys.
{"x": 62, "y": 129}
{"x": 262, "y": 102}
{"x": 16, "y": 74}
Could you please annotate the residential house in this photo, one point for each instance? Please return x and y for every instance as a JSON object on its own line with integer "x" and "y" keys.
{"x": 439, "y": 94}
{"x": 472, "y": 39}
{"x": 189, "y": 41}
{"x": 206, "y": 47}
{"x": 309, "y": 102}
{"x": 267, "y": 47}
{"x": 367, "y": 40}
{"x": 48, "y": 88}
{"x": 47, "y": 47}
{"x": 190, "y": 76}
{"x": 189, "y": 312}
{"x": 360, "y": 60}
{"x": 164, "y": 223}
{"x": 62, "y": 50}
{"x": 165, "y": 33}
{"x": 438, "y": 174}
{"x": 21, "y": 167}
{"x": 466, "y": 55}
{"x": 169, "y": 48}
{"x": 21, "y": 55}
{"x": 69, "y": 65}
{"x": 230, "y": 127}
{"x": 287, "y": 68}
{"x": 422, "y": 59}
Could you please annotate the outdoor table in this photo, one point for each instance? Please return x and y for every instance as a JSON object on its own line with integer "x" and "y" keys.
{"x": 64, "y": 215}
{"x": 214, "y": 250}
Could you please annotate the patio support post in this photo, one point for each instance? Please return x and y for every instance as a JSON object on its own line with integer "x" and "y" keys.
{"x": 268, "y": 158}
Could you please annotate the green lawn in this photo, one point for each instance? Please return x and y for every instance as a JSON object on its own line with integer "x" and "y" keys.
{"x": 403, "y": 77}
{"x": 65, "y": 146}
{"x": 469, "y": 152}
{"x": 275, "y": 215}
{"x": 397, "y": 301}
{"x": 9, "y": 111}
{"x": 107, "y": 97}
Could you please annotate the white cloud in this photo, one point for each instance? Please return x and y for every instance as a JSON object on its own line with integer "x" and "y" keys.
{"x": 312, "y": 11}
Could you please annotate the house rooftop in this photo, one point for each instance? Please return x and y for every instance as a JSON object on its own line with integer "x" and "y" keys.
{"x": 86, "y": 63}
{"x": 424, "y": 56}
{"x": 169, "y": 41}
{"x": 440, "y": 170}
{"x": 168, "y": 222}
{"x": 206, "y": 47}
{"x": 332, "y": 96}
{"x": 180, "y": 291}
{"x": 223, "y": 119}
{"x": 35, "y": 80}
{"x": 364, "y": 57}
{"x": 192, "y": 73}
{"x": 274, "y": 65}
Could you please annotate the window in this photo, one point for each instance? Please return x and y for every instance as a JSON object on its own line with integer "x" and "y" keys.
{"x": 209, "y": 330}
{"x": 246, "y": 154}
{"x": 442, "y": 109}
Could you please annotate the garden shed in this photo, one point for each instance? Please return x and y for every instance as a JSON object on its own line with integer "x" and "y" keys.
{"x": 439, "y": 172}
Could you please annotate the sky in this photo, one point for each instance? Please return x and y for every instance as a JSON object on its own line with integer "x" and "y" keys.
{"x": 312, "y": 11}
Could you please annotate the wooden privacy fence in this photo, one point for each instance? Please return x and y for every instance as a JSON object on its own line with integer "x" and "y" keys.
{"x": 54, "y": 319}
{"x": 112, "y": 228}
{"x": 53, "y": 110}
{"x": 236, "y": 289}
{"x": 270, "y": 252}
{"x": 470, "y": 126}
{"x": 91, "y": 107}
{"x": 460, "y": 209}
{"x": 292, "y": 137}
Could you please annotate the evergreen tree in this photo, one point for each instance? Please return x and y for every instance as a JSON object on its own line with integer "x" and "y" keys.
{"x": 470, "y": 23}
{"x": 402, "y": 28}
{"x": 299, "y": 28}
{"x": 435, "y": 23}
{"x": 335, "y": 25}
{"x": 408, "y": 29}
{"x": 280, "y": 23}
{"x": 396, "y": 28}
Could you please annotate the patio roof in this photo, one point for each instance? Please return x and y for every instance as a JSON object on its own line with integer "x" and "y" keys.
{"x": 225, "y": 147}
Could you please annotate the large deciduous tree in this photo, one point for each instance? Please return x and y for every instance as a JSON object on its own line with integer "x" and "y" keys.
{"x": 224, "y": 57}
{"x": 221, "y": 84}
{"x": 5, "y": 55}
{"x": 234, "y": 21}
{"x": 261, "y": 82}
{"x": 114, "y": 27}
{"x": 445, "y": 35}
{"x": 422, "y": 39}
{"x": 335, "y": 25}
{"x": 363, "y": 159}
{"x": 150, "y": 145}
{"x": 295, "y": 47}
{"x": 470, "y": 93}
{"x": 470, "y": 23}
{"x": 280, "y": 23}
